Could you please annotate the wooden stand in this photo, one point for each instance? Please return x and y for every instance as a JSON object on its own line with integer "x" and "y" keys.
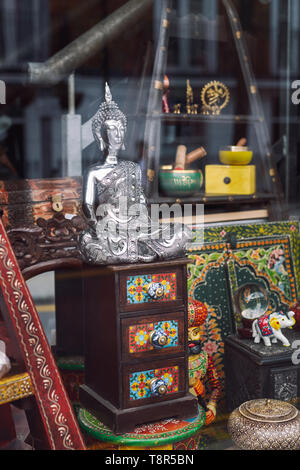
{"x": 120, "y": 358}
{"x": 169, "y": 434}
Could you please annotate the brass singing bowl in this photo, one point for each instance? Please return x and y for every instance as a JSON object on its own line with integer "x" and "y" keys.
{"x": 235, "y": 155}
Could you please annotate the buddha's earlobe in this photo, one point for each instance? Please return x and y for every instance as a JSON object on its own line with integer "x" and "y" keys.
{"x": 102, "y": 145}
{"x": 123, "y": 146}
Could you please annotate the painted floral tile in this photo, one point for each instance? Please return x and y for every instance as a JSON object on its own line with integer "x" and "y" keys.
{"x": 137, "y": 291}
{"x": 139, "y": 335}
{"x": 139, "y": 382}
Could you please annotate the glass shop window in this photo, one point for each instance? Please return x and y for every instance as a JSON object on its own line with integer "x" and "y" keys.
{"x": 202, "y": 47}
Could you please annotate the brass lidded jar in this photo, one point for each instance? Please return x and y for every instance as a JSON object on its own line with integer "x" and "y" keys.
{"x": 265, "y": 424}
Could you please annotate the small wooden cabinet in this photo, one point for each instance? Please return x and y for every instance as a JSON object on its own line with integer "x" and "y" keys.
{"x": 135, "y": 331}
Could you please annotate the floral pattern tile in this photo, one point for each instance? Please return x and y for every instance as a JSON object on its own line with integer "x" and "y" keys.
{"x": 139, "y": 382}
{"x": 139, "y": 335}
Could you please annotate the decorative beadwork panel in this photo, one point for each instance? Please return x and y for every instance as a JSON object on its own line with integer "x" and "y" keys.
{"x": 139, "y": 382}
{"x": 143, "y": 288}
{"x": 139, "y": 335}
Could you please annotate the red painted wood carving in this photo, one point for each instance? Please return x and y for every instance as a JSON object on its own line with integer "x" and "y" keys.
{"x": 19, "y": 311}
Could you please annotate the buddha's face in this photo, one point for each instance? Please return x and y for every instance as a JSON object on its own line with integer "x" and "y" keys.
{"x": 113, "y": 133}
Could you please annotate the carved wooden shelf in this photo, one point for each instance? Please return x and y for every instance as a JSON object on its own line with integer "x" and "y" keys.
{"x": 172, "y": 118}
{"x": 213, "y": 199}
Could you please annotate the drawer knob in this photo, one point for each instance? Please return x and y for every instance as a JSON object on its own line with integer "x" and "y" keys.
{"x": 155, "y": 290}
{"x": 157, "y": 387}
{"x": 227, "y": 180}
{"x": 158, "y": 338}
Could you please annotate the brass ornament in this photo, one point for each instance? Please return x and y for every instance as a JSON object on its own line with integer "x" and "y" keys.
{"x": 176, "y": 108}
{"x": 214, "y": 97}
{"x": 189, "y": 98}
{"x": 150, "y": 175}
{"x": 194, "y": 109}
{"x": 57, "y": 202}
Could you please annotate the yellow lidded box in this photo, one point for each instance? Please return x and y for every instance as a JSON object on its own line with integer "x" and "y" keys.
{"x": 230, "y": 179}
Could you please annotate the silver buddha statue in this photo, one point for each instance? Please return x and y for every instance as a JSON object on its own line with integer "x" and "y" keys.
{"x": 114, "y": 204}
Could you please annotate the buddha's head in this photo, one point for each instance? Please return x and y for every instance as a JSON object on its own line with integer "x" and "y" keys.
{"x": 109, "y": 125}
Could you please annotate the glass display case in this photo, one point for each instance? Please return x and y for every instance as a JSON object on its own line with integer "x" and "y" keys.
{"x": 213, "y": 102}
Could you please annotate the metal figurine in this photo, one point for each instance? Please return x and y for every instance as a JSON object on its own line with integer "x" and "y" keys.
{"x": 194, "y": 109}
{"x": 214, "y": 96}
{"x": 119, "y": 228}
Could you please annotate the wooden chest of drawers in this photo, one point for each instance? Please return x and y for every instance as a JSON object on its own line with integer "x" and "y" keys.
{"x": 136, "y": 368}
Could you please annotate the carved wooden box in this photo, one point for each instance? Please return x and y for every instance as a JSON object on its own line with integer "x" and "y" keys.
{"x": 42, "y": 218}
{"x": 25, "y": 201}
{"x": 136, "y": 368}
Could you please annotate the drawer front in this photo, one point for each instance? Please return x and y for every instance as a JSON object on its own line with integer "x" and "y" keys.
{"x": 153, "y": 383}
{"x": 150, "y": 290}
{"x": 153, "y": 336}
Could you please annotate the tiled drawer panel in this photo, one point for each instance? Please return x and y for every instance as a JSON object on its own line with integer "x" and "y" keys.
{"x": 153, "y": 335}
{"x": 139, "y": 387}
{"x": 148, "y": 290}
{"x": 142, "y": 383}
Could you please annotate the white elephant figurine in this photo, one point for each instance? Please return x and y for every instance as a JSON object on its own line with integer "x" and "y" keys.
{"x": 269, "y": 327}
